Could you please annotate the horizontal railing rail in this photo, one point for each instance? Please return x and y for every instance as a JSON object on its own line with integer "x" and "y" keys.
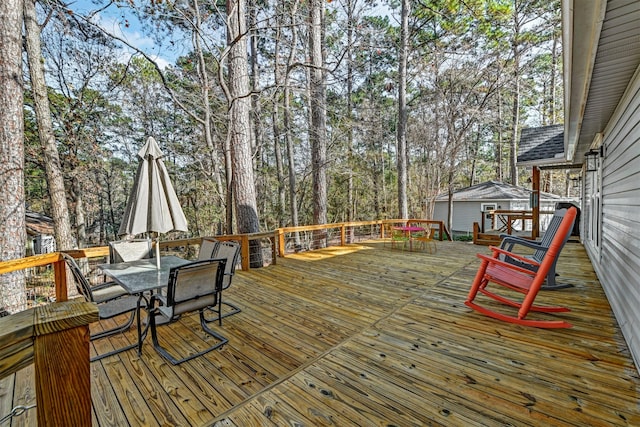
{"x": 275, "y": 239}
{"x": 344, "y": 227}
{"x": 505, "y": 221}
{"x": 38, "y": 334}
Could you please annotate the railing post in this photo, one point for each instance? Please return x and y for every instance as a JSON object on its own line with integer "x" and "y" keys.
{"x": 476, "y": 231}
{"x": 60, "y": 277}
{"x": 281, "y": 246}
{"x": 245, "y": 253}
{"x": 535, "y": 203}
{"x": 274, "y": 249}
{"x": 55, "y": 338}
{"x": 61, "y": 359}
{"x": 342, "y": 234}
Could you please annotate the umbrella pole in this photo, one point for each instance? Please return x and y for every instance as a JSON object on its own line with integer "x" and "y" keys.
{"x": 157, "y": 252}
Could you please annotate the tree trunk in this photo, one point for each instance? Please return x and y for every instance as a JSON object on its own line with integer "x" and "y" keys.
{"x": 81, "y": 226}
{"x": 515, "y": 113}
{"x": 256, "y": 109}
{"x": 499, "y": 173}
{"x": 552, "y": 89}
{"x": 55, "y": 179}
{"x": 243, "y": 182}
{"x": 277, "y": 150}
{"x": 318, "y": 133}
{"x": 13, "y": 296}
{"x": 206, "y": 102}
{"x": 350, "y": 160}
{"x": 515, "y": 117}
{"x": 228, "y": 169}
{"x": 401, "y": 136}
{"x": 450, "y": 202}
{"x": 377, "y": 188}
{"x": 275, "y": 119}
{"x": 287, "y": 122}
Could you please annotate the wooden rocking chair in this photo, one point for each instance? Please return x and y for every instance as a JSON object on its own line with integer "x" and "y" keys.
{"x": 509, "y": 242}
{"x": 514, "y": 277}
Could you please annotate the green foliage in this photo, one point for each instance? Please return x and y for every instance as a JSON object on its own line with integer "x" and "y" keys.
{"x": 463, "y": 59}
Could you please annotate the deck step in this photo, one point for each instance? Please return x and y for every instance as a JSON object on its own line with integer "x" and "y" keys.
{"x": 487, "y": 239}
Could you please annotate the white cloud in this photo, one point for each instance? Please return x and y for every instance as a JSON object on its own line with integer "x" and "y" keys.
{"x": 128, "y": 30}
{"x": 162, "y": 63}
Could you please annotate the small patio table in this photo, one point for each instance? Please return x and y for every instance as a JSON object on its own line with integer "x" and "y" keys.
{"x": 141, "y": 276}
{"x": 408, "y": 229}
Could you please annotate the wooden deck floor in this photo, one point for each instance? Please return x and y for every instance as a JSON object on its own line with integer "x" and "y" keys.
{"x": 369, "y": 336}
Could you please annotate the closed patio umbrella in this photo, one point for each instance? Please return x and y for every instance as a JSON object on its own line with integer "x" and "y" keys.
{"x": 153, "y": 206}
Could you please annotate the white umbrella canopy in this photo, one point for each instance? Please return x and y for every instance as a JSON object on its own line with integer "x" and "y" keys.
{"x": 153, "y": 206}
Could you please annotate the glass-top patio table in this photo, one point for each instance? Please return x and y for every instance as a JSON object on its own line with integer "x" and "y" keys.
{"x": 142, "y": 276}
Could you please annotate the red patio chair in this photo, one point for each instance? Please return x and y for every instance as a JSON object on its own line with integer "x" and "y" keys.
{"x": 523, "y": 280}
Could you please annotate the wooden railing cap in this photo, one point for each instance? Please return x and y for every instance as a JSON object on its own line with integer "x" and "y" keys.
{"x": 18, "y": 331}
{"x": 53, "y": 318}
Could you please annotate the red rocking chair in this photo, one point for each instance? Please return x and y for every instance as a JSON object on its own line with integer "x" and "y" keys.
{"x": 494, "y": 270}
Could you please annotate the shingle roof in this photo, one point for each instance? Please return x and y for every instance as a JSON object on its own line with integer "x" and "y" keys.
{"x": 38, "y": 224}
{"x": 493, "y": 190}
{"x": 541, "y": 143}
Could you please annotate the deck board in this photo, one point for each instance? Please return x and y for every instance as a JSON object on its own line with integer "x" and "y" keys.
{"x": 368, "y": 335}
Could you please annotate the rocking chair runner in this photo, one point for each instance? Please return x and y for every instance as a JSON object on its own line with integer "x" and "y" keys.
{"x": 524, "y": 280}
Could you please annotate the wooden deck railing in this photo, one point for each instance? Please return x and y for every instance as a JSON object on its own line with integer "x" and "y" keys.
{"x": 504, "y": 222}
{"x": 55, "y": 337}
{"x": 343, "y": 228}
{"x": 277, "y": 238}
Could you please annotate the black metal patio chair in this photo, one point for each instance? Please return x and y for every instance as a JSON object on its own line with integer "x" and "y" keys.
{"x": 192, "y": 287}
{"x": 112, "y": 301}
{"x": 231, "y": 252}
{"x": 208, "y": 248}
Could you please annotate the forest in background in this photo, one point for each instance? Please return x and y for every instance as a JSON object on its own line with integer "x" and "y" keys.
{"x": 476, "y": 73}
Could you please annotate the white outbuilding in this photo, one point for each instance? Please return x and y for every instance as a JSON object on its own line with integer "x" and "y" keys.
{"x": 473, "y": 204}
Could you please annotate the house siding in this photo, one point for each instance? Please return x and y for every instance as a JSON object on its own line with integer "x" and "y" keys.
{"x": 614, "y": 251}
{"x": 464, "y": 214}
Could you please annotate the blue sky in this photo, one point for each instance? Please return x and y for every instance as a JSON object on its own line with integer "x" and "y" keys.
{"x": 118, "y": 22}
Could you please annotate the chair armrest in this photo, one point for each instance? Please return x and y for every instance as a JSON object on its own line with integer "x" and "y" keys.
{"x": 103, "y": 285}
{"x": 108, "y": 291}
{"x": 499, "y": 251}
{"x": 512, "y": 240}
{"x": 507, "y": 265}
{"x": 514, "y": 237}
